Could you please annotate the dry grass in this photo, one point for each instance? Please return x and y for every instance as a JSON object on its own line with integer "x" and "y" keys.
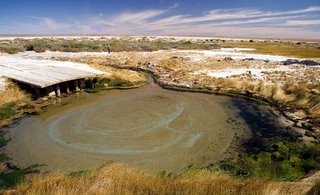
{"x": 119, "y": 179}
{"x": 13, "y": 102}
{"x": 99, "y": 63}
{"x": 298, "y": 96}
{"x": 12, "y": 94}
{"x": 315, "y": 110}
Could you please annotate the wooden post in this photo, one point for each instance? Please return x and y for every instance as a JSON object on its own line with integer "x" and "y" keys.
{"x": 57, "y": 90}
{"x": 82, "y": 84}
{"x": 46, "y": 91}
{"x": 88, "y": 84}
{"x": 67, "y": 88}
{"x": 37, "y": 92}
{"x": 76, "y": 85}
{"x": 91, "y": 84}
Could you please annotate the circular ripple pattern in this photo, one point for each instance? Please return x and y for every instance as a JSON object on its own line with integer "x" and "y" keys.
{"x": 123, "y": 128}
{"x": 150, "y": 127}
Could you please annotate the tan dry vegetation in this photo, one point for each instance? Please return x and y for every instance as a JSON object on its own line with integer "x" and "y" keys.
{"x": 12, "y": 94}
{"x": 14, "y": 102}
{"x": 119, "y": 179}
{"x": 97, "y": 63}
{"x": 298, "y": 96}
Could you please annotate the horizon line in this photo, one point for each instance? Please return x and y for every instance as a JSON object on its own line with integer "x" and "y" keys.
{"x": 150, "y": 35}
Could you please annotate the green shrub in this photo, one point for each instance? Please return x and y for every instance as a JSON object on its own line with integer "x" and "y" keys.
{"x": 3, "y": 142}
{"x": 233, "y": 92}
{"x": 93, "y": 90}
{"x": 90, "y": 45}
{"x": 281, "y": 161}
{"x": 116, "y": 82}
{"x": 7, "y": 110}
{"x": 10, "y": 49}
{"x": 187, "y": 42}
{"x": 104, "y": 81}
{"x": 11, "y": 179}
{"x": 111, "y": 82}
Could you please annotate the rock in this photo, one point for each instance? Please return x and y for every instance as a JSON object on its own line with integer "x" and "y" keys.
{"x": 303, "y": 62}
{"x": 307, "y": 125}
{"x": 212, "y": 88}
{"x": 12, "y": 166}
{"x": 22, "y": 105}
{"x": 297, "y": 115}
{"x": 313, "y": 129}
{"x": 149, "y": 65}
{"x": 52, "y": 94}
{"x": 309, "y": 63}
{"x": 288, "y": 128}
{"x": 299, "y": 124}
{"x": 308, "y": 134}
{"x": 315, "y": 91}
{"x": 290, "y": 61}
{"x": 228, "y": 58}
{"x": 248, "y": 59}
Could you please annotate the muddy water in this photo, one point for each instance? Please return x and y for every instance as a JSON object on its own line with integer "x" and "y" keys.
{"x": 149, "y": 127}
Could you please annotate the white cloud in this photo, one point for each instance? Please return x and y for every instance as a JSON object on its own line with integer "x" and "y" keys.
{"x": 300, "y": 23}
{"x": 137, "y": 17}
{"x": 265, "y": 20}
{"x": 212, "y": 15}
{"x": 229, "y": 14}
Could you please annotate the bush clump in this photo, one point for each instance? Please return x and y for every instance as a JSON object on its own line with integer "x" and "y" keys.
{"x": 281, "y": 161}
{"x": 7, "y": 110}
{"x": 12, "y": 178}
{"x": 114, "y": 82}
{"x": 92, "y": 45}
{"x": 10, "y": 49}
{"x": 109, "y": 82}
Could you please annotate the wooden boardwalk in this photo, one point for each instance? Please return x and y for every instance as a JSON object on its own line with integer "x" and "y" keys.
{"x": 43, "y": 76}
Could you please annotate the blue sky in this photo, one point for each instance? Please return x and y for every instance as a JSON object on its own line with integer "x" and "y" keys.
{"x": 237, "y": 18}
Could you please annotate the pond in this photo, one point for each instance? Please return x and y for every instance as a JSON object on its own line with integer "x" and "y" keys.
{"x": 151, "y": 128}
